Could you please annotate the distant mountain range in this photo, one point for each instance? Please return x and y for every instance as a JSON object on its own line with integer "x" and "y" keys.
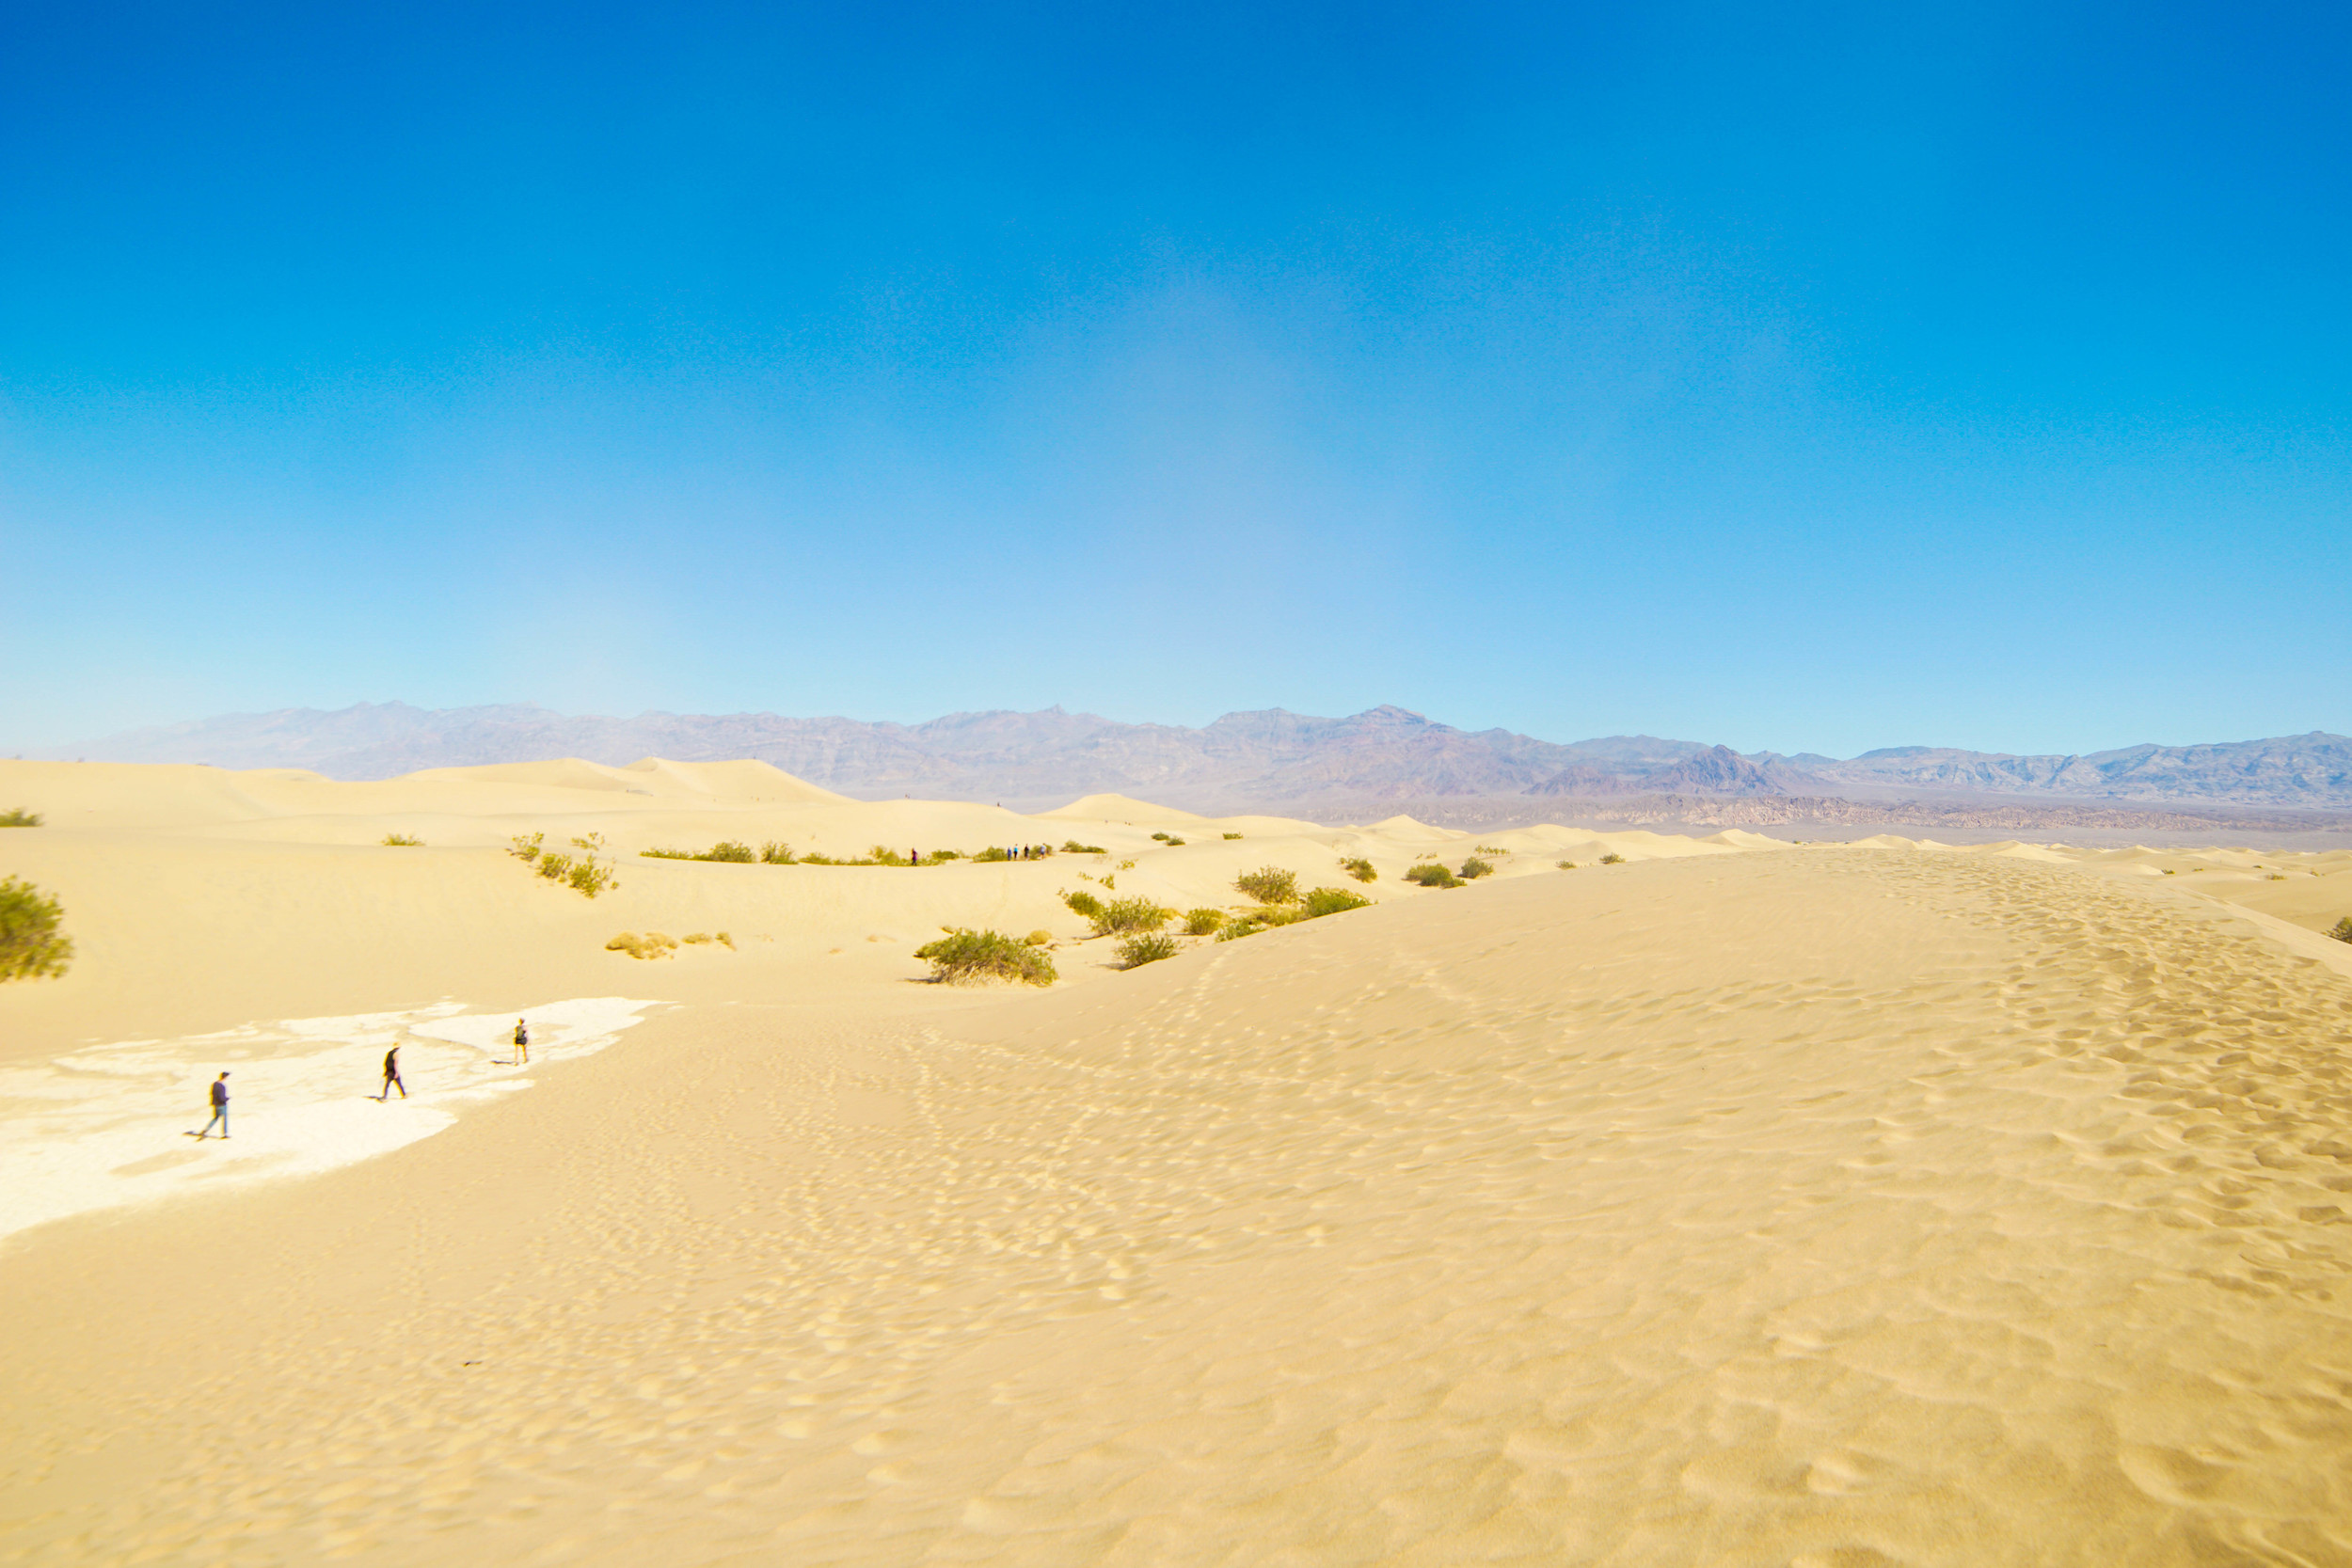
{"x": 1243, "y": 760}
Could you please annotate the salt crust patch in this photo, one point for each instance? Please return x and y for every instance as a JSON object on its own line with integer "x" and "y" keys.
{"x": 108, "y": 1126}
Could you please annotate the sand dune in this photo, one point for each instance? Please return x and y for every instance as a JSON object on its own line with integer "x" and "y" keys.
{"x": 1738, "y": 1203}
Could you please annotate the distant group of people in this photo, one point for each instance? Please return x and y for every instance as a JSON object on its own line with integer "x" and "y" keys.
{"x": 391, "y": 1079}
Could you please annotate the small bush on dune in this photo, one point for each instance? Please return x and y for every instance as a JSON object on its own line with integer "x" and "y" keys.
{"x": 403, "y": 841}
{"x": 1333, "y": 900}
{"x": 1612, "y": 860}
{"x": 727, "y": 849}
{"x": 590, "y": 876}
{"x": 1162, "y": 837}
{"x": 1149, "y": 948}
{"x": 698, "y": 937}
{"x": 1239, "y": 927}
{"x": 20, "y": 818}
{"x": 1084, "y": 903}
{"x": 525, "y": 846}
{"x": 1233, "y": 835}
{"x": 653, "y": 944}
{"x": 938, "y": 855}
{"x": 881, "y": 854}
{"x": 668, "y": 854}
{"x": 592, "y": 843}
{"x": 1071, "y": 847}
{"x": 554, "y": 867}
{"x": 1175, "y": 844}
{"x": 31, "y": 944}
{"x": 1433, "y": 875}
{"x": 813, "y": 858}
{"x": 775, "y": 852}
{"x": 965, "y": 957}
{"x": 1360, "y": 869}
{"x": 1269, "y": 885}
{"x": 1475, "y": 868}
{"x": 992, "y": 853}
{"x": 1199, "y": 923}
{"x": 1567, "y": 865}
{"x": 1490, "y": 849}
{"x": 2344, "y": 929}
{"x": 1040, "y": 938}
{"x": 1121, "y": 916}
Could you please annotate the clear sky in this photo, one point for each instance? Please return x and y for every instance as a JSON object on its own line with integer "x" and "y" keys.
{"x": 1795, "y": 377}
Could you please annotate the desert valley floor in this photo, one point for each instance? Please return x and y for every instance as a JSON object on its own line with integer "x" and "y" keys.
{"x": 1735, "y": 1203}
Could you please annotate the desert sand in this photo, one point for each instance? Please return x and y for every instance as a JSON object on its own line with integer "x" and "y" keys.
{"x": 1741, "y": 1202}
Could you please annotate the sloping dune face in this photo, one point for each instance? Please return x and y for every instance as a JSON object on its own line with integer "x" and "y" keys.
{"x": 1821, "y": 1207}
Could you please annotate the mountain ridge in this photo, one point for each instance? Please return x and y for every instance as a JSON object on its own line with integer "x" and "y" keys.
{"x": 1244, "y": 758}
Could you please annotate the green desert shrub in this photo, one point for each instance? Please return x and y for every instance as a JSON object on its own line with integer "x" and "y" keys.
{"x": 592, "y": 843}
{"x": 1085, "y": 903}
{"x": 1239, "y": 927}
{"x": 31, "y": 945}
{"x": 1040, "y": 938}
{"x": 1333, "y": 900}
{"x": 938, "y": 855}
{"x": 1147, "y": 947}
{"x": 1431, "y": 874}
{"x": 1123, "y": 916}
{"x": 653, "y": 944}
{"x": 2344, "y": 929}
{"x": 1612, "y": 860}
{"x": 964, "y": 956}
{"x": 525, "y": 846}
{"x": 403, "y": 841}
{"x": 881, "y": 854}
{"x": 1567, "y": 865}
{"x": 731, "y": 851}
{"x": 20, "y": 818}
{"x": 1199, "y": 923}
{"x": 667, "y": 854}
{"x": 1490, "y": 849}
{"x": 994, "y": 853}
{"x": 697, "y": 937}
{"x": 1162, "y": 837}
{"x": 1071, "y": 847}
{"x": 775, "y": 852}
{"x": 1233, "y": 835}
{"x": 554, "y": 867}
{"x": 1269, "y": 885}
{"x": 1359, "y": 868}
{"x": 1475, "y": 868}
{"x": 1175, "y": 844}
{"x": 590, "y": 876}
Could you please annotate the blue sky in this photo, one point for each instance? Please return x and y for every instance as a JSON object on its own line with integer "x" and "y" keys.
{"x": 1812, "y": 378}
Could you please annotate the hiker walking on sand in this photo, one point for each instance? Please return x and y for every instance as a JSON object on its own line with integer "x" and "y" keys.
{"x": 392, "y": 1075}
{"x": 220, "y": 1107}
{"x": 522, "y": 1044}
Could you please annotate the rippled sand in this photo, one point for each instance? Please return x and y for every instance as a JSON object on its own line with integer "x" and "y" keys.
{"x": 1827, "y": 1205}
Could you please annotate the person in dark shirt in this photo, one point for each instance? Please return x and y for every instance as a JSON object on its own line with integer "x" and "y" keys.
{"x": 392, "y": 1075}
{"x": 220, "y": 1107}
{"x": 522, "y": 1044}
